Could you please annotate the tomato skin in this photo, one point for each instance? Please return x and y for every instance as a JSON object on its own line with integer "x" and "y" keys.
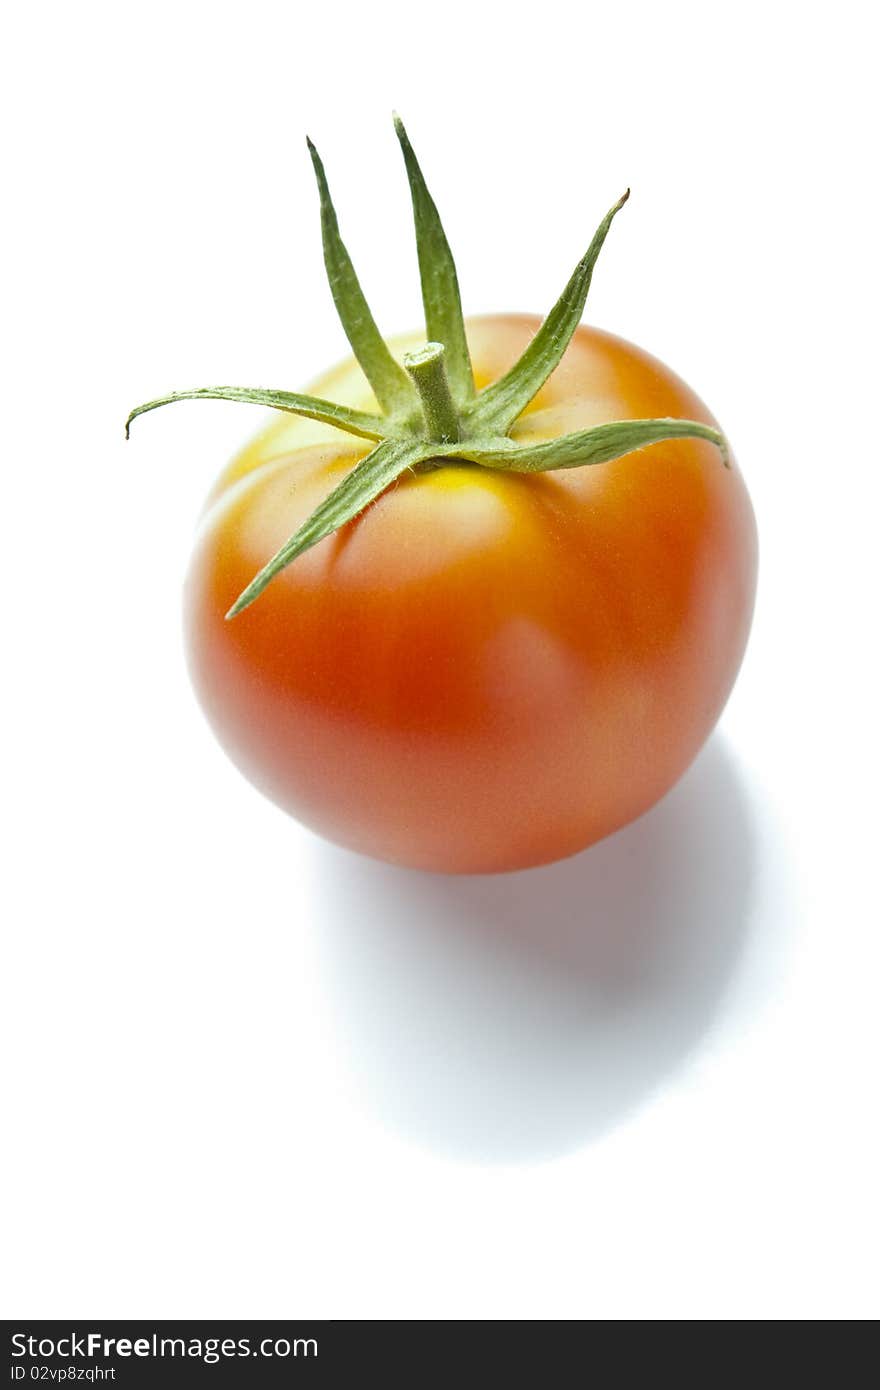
{"x": 485, "y": 671}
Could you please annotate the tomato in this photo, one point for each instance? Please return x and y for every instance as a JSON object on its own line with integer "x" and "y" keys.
{"x": 484, "y": 670}
{"x": 499, "y": 622}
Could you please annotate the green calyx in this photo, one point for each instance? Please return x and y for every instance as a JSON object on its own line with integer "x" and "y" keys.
{"x": 429, "y": 408}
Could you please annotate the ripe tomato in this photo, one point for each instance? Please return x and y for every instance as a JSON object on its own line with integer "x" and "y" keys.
{"x": 465, "y": 647}
{"x": 484, "y": 670}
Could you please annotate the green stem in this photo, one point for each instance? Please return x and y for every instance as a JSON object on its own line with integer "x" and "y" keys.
{"x": 427, "y": 369}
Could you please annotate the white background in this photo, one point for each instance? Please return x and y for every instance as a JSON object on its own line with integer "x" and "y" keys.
{"x": 247, "y": 1074}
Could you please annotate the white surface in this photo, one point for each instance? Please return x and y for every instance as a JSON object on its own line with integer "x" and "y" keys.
{"x": 247, "y": 1074}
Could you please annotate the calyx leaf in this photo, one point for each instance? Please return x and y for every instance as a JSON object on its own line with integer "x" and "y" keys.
{"x": 499, "y": 405}
{"x": 391, "y": 386}
{"x": 444, "y": 322}
{"x": 371, "y": 476}
{"x": 357, "y": 422}
{"x": 601, "y": 444}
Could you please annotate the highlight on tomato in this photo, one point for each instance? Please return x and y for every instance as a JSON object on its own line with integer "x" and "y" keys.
{"x": 479, "y": 598}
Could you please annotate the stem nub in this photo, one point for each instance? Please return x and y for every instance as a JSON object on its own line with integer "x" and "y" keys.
{"x": 427, "y": 369}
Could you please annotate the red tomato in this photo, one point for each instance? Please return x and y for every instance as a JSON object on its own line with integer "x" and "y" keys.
{"x": 484, "y": 670}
